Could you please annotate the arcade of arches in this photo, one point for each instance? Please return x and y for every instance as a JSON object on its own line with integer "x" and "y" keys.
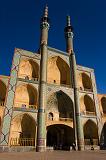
{"x": 58, "y": 67}
{"x": 26, "y": 97}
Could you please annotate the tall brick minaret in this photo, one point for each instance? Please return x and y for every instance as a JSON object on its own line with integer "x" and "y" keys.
{"x": 41, "y": 131}
{"x": 77, "y": 119}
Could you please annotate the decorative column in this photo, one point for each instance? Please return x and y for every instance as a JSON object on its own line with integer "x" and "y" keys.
{"x": 41, "y": 130}
{"x": 77, "y": 119}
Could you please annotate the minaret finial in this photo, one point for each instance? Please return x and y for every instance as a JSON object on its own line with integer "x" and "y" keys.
{"x": 46, "y": 11}
{"x": 68, "y": 21}
{"x": 45, "y": 15}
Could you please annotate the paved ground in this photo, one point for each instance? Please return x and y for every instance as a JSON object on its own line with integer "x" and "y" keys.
{"x": 55, "y": 155}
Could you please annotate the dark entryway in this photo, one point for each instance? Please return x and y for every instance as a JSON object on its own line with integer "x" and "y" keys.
{"x": 60, "y": 137}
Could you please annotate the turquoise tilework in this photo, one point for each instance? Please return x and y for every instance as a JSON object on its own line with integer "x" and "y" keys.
{"x": 10, "y": 99}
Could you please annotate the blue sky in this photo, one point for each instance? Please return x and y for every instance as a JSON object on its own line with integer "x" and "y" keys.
{"x": 20, "y": 27}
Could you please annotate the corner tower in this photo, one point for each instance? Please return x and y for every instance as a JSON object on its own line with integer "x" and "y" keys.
{"x": 41, "y": 131}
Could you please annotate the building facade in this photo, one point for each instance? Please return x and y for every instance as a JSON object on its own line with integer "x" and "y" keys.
{"x": 50, "y": 102}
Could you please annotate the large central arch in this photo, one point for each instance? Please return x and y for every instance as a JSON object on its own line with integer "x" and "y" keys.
{"x": 60, "y": 136}
{"x": 60, "y": 105}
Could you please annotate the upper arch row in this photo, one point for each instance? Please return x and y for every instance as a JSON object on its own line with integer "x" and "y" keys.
{"x": 58, "y": 72}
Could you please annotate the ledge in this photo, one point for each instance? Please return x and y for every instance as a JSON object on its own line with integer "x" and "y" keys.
{"x": 25, "y": 109}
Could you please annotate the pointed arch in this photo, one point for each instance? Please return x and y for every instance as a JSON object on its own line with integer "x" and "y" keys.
{"x": 23, "y": 130}
{"x": 90, "y": 130}
{"x": 60, "y": 104}
{"x": 58, "y": 67}
{"x": 25, "y": 96}
{"x": 89, "y": 104}
{"x": 2, "y": 92}
{"x": 103, "y": 103}
{"x": 103, "y": 137}
{"x": 86, "y": 81}
{"x": 60, "y": 136}
{"x": 28, "y": 69}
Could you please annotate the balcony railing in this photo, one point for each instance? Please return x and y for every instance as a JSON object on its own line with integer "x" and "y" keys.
{"x": 32, "y": 106}
{"x": 24, "y": 106}
{"x": 22, "y": 142}
{"x": 88, "y": 113}
{"x": 86, "y": 89}
{"x": 58, "y": 83}
{"x": 66, "y": 119}
{"x": 23, "y": 76}
{"x": 61, "y": 119}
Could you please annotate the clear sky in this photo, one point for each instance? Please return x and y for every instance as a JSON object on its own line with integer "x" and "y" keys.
{"x": 20, "y": 27}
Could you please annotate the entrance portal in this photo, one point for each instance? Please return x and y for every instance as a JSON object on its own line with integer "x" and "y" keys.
{"x": 60, "y": 137}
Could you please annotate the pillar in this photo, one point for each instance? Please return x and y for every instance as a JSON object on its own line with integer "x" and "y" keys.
{"x": 41, "y": 124}
{"x": 79, "y": 137}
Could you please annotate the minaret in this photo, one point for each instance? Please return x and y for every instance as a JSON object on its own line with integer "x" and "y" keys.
{"x": 41, "y": 125}
{"x": 73, "y": 67}
{"x": 69, "y": 36}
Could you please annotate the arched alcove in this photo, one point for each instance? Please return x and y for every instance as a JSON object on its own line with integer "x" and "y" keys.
{"x": 25, "y": 96}
{"x": 60, "y": 105}
{"x": 2, "y": 93}
{"x": 60, "y": 136}
{"x": 103, "y": 137}
{"x": 103, "y": 103}
{"x": 90, "y": 130}
{"x": 50, "y": 116}
{"x": 28, "y": 69}
{"x": 89, "y": 104}
{"x": 23, "y": 130}
{"x": 58, "y": 67}
{"x": 86, "y": 81}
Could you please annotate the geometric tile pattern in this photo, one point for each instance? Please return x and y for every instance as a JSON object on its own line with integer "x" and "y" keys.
{"x": 9, "y": 99}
